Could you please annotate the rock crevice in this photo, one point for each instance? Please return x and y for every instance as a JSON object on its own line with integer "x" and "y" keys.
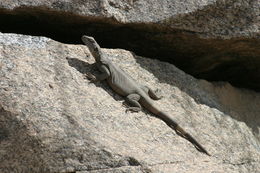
{"x": 213, "y": 40}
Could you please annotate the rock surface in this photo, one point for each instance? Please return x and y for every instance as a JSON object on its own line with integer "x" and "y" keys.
{"x": 206, "y": 17}
{"x": 217, "y": 40}
{"x": 54, "y": 120}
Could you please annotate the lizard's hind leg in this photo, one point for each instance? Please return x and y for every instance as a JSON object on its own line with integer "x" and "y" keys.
{"x": 133, "y": 99}
{"x": 152, "y": 94}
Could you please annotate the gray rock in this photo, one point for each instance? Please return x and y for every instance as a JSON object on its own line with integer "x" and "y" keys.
{"x": 54, "y": 120}
{"x": 213, "y": 18}
{"x": 216, "y": 40}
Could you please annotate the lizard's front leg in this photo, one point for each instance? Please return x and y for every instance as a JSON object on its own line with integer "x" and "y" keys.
{"x": 105, "y": 73}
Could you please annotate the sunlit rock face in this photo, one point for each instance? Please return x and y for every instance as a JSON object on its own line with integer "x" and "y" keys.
{"x": 52, "y": 119}
{"x": 216, "y": 40}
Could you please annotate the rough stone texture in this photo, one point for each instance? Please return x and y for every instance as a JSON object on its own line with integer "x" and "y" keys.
{"x": 218, "y": 18}
{"x": 54, "y": 120}
{"x": 217, "y": 40}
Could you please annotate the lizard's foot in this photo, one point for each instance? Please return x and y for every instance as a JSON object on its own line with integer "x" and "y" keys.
{"x": 158, "y": 94}
{"x": 90, "y": 77}
{"x": 133, "y": 109}
{"x": 155, "y": 95}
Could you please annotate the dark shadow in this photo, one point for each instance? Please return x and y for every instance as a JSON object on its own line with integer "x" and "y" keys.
{"x": 84, "y": 67}
{"x": 81, "y": 66}
{"x": 235, "y": 60}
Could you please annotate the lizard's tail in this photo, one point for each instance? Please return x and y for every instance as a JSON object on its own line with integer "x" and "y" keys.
{"x": 149, "y": 105}
{"x": 171, "y": 123}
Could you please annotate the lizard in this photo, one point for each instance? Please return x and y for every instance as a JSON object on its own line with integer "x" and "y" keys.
{"x": 136, "y": 95}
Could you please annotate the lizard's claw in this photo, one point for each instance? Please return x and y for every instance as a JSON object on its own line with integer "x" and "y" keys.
{"x": 158, "y": 93}
{"x": 90, "y": 77}
{"x": 132, "y": 109}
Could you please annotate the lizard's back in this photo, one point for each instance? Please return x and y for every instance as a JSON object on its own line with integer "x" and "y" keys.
{"x": 121, "y": 82}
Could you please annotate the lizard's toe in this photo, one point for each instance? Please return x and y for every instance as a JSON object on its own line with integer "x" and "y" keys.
{"x": 133, "y": 109}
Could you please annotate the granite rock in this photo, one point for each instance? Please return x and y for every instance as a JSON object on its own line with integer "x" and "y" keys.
{"x": 53, "y": 120}
{"x": 216, "y": 40}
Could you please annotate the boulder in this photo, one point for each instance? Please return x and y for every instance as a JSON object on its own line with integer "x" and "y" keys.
{"x": 52, "y": 119}
{"x": 217, "y": 40}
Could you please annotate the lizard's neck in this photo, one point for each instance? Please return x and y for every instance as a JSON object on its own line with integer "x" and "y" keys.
{"x": 96, "y": 52}
{"x": 100, "y": 58}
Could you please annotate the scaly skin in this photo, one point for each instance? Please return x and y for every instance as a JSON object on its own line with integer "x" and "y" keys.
{"x": 135, "y": 94}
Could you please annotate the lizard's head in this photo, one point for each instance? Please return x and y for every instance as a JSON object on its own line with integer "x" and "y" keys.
{"x": 94, "y": 48}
